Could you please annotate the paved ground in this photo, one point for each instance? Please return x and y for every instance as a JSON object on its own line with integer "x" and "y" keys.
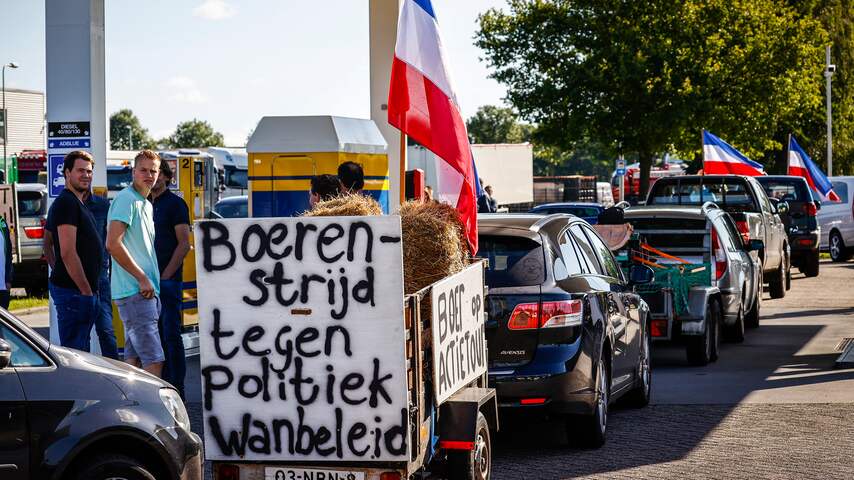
{"x": 771, "y": 408}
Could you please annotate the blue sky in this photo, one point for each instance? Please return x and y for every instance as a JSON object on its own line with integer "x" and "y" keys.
{"x": 233, "y": 61}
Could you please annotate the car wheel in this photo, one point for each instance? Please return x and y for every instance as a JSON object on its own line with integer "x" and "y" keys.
{"x": 589, "y": 430}
{"x": 777, "y": 283}
{"x": 115, "y": 467}
{"x": 838, "y": 251}
{"x": 640, "y": 394}
{"x": 477, "y": 463}
{"x": 699, "y": 349}
{"x": 810, "y": 264}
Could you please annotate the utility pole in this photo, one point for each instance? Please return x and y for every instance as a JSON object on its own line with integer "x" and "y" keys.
{"x": 6, "y": 119}
{"x": 130, "y": 136}
{"x": 829, "y": 70}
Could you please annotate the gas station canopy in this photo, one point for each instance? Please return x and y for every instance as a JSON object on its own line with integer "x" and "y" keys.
{"x": 323, "y": 133}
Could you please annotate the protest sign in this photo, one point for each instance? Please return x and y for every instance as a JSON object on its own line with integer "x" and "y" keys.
{"x": 459, "y": 344}
{"x": 302, "y": 338}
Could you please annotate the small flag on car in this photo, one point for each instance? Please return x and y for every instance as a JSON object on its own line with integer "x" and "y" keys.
{"x": 800, "y": 165}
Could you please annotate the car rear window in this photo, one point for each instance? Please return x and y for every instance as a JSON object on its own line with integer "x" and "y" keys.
{"x": 728, "y": 193}
{"x": 119, "y": 178}
{"x": 794, "y": 190}
{"x": 31, "y": 204}
{"x": 513, "y": 261}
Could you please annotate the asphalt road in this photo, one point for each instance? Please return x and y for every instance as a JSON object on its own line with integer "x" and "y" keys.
{"x": 772, "y": 407}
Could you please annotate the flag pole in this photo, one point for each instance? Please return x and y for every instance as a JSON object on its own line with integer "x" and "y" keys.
{"x": 403, "y": 168}
{"x": 702, "y": 151}
{"x": 788, "y": 150}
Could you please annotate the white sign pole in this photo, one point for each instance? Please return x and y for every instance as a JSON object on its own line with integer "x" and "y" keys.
{"x": 302, "y": 339}
{"x": 459, "y": 342}
{"x": 74, "y": 61}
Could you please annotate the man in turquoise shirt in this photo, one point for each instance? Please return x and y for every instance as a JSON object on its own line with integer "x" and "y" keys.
{"x": 135, "y": 280}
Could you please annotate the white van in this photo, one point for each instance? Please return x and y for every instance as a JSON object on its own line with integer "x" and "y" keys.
{"x": 836, "y": 220}
{"x": 234, "y": 164}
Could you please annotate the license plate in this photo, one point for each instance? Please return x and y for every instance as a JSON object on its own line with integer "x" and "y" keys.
{"x": 285, "y": 473}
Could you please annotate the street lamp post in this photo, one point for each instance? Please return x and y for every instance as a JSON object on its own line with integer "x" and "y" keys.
{"x": 130, "y": 136}
{"x": 6, "y": 119}
{"x": 829, "y": 70}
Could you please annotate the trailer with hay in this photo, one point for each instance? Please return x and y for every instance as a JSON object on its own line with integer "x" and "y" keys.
{"x": 338, "y": 347}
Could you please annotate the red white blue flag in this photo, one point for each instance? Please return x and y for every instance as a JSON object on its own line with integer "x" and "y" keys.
{"x": 720, "y": 157}
{"x": 423, "y": 105}
{"x": 800, "y": 165}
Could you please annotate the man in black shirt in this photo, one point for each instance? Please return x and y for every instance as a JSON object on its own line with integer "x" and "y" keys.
{"x": 171, "y": 244}
{"x": 79, "y": 251}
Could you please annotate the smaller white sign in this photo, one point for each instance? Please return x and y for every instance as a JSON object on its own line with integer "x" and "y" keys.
{"x": 459, "y": 338}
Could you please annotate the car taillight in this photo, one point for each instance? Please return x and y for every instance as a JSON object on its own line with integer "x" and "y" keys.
{"x": 810, "y": 209}
{"x": 744, "y": 230}
{"x": 34, "y": 232}
{"x": 528, "y": 316}
{"x": 227, "y": 472}
{"x": 720, "y": 255}
{"x": 658, "y": 328}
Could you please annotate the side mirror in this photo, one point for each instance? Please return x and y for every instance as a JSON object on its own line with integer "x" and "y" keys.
{"x": 5, "y": 354}
{"x": 754, "y": 245}
{"x": 640, "y": 275}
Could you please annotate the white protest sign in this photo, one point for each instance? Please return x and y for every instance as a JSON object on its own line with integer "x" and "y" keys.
{"x": 302, "y": 338}
{"x": 459, "y": 344}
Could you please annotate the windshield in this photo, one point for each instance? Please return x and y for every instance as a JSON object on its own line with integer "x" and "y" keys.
{"x": 31, "y": 204}
{"x": 513, "y": 261}
{"x": 786, "y": 189}
{"x": 119, "y": 178}
{"x": 728, "y": 193}
{"x": 238, "y": 209}
{"x": 235, "y": 178}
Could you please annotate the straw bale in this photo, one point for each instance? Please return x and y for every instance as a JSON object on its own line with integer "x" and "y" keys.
{"x": 351, "y": 205}
{"x": 434, "y": 244}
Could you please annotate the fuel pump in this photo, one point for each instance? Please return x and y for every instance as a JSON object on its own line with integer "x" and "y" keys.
{"x": 196, "y": 180}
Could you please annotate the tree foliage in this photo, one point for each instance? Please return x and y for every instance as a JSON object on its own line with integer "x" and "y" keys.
{"x": 194, "y": 134}
{"x": 646, "y": 77}
{"x": 126, "y": 127}
{"x": 493, "y": 124}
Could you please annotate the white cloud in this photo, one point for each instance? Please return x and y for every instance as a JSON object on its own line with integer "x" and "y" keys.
{"x": 214, "y": 10}
{"x": 184, "y": 90}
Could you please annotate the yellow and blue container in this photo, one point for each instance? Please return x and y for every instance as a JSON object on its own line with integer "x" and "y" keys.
{"x": 285, "y": 152}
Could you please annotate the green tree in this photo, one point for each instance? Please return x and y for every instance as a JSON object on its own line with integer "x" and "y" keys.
{"x": 645, "y": 77}
{"x": 493, "y": 124}
{"x": 124, "y": 128}
{"x": 194, "y": 134}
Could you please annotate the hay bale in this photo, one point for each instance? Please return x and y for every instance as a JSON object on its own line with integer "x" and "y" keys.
{"x": 351, "y": 205}
{"x": 434, "y": 244}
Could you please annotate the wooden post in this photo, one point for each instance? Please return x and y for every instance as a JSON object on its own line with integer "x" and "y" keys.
{"x": 402, "y": 167}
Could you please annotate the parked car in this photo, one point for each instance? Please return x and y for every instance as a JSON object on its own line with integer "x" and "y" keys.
{"x": 706, "y": 280}
{"x": 31, "y": 271}
{"x": 72, "y": 415}
{"x": 587, "y": 211}
{"x": 565, "y": 332}
{"x": 836, "y": 221}
{"x": 800, "y": 221}
{"x": 233, "y": 207}
{"x": 756, "y": 217}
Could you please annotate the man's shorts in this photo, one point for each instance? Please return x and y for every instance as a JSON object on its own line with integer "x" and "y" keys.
{"x": 142, "y": 337}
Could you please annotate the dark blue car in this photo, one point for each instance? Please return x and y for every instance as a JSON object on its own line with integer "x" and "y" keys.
{"x": 587, "y": 211}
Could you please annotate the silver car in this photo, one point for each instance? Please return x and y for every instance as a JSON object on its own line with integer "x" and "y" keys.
{"x": 31, "y": 271}
{"x": 689, "y": 236}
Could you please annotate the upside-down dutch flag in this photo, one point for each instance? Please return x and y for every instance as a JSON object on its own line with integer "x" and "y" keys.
{"x": 800, "y": 165}
{"x": 720, "y": 157}
{"x": 422, "y": 104}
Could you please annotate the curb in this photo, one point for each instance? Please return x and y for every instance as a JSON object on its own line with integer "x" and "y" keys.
{"x": 29, "y": 311}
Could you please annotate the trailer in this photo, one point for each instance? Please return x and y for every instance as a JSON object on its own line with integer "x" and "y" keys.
{"x": 315, "y": 365}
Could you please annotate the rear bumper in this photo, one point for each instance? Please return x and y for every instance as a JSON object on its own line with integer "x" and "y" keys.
{"x": 802, "y": 245}
{"x": 29, "y": 272}
{"x": 560, "y": 380}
